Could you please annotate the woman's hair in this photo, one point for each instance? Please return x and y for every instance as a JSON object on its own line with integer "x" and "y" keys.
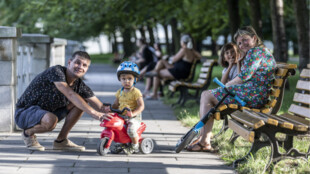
{"x": 187, "y": 40}
{"x": 158, "y": 46}
{"x": 248, "y": 30}
{"x": 226, "y": 47}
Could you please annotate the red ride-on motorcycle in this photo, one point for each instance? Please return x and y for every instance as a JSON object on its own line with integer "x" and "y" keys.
{"x": 115, "y": 138}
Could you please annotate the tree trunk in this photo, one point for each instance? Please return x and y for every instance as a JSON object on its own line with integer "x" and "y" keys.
{"x": 142, "y": 32}
{"x": 213, "y": 48}
{"x": 302, "y": 25}
{"x": 151, "y": 35}
{"x": 168, "y": 51}
{"x": 256, "y": 17}
{"x": 127, "y": 45}
{"x": 278, "y": 31}
{"x": 175, "y": 35}
{"x": 114, "y": 43}
{"x": 234, "y": 20}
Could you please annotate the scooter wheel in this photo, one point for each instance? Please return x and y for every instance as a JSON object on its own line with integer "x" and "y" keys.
{"x": 185, "y": 140}
{"x": 146, "y": 146}
{"x": 101, "y": 150}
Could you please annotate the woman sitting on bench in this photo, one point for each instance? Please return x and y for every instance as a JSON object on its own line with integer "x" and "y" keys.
{"x": 251, "y": 85}
{"x": 179, "y": 68}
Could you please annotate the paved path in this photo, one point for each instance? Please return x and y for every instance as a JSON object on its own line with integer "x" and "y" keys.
{"x": 162, "y": 127}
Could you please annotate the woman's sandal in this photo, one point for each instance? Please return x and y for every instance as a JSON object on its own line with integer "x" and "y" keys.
{"x": 201, "y": 149}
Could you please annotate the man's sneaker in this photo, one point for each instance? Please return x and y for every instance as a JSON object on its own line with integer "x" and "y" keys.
{"x": 67, "y": 145}
{"x": 32, "y": 143}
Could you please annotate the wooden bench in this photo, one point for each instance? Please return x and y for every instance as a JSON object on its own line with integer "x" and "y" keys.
{"x": 190, "y": 78}
{"x": 201, "y": 84}
{"x": 252, "y": 126}
{"x": 283, "y": 71}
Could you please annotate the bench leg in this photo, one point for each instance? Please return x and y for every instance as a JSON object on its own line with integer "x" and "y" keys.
{"x": 224, "y": 127}
{"x": 258, "y": 144}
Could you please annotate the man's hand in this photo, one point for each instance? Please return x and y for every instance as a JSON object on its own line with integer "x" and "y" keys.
{"x": 106, "y": 116}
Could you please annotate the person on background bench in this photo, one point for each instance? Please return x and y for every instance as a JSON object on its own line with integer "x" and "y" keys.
{"x": 144, "y": 56}
{"x": 251, "y": 85}
{"x": 229, "y": 59}
{"x": 53, "y": 95}
{"x": 179, "y": 68}
{"x": 157, "y": 54}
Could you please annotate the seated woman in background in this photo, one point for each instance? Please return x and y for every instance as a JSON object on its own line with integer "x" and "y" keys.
{"x": 179, "y": 68}
{"x": 251, "y": 85}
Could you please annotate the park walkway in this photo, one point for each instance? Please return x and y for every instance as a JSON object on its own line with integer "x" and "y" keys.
{"x": 162, "y": 127}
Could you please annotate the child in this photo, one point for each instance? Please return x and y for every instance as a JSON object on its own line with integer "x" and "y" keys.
{"x": 228, "y": 60}
{"x": 131, "y": 97}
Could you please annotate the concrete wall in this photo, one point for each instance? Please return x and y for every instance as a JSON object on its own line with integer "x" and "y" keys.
{"x": 33, "y": 57}
{"x": 8, "y": 54}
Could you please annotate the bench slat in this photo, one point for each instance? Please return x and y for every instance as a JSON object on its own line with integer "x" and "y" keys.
{"x": 305, "y": 73}
{"x": 278, "y": 82}
{"x": 281, "y": 122}
{"x": 300, "y": 124}
{"x": 265, "y": 118}
{"x": 248, "y": 120}
{"x": 203, "y": 75}
{"x": 275, "y": 92}
{"x": 302, "y": 98}
{"x": 281, "y": 72}
{"x": 300, "y": 110}
{"x": 201, "y": 81}
{"x": 204, "y": 69}
{"x": 303, "y": 85}
{"x": 285, "y": 65}
{"x": 242, "y": 131}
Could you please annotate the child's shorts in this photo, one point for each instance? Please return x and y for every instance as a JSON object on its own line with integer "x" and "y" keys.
{"x": 28, "y": 117}
{"x": 133, "y": 126}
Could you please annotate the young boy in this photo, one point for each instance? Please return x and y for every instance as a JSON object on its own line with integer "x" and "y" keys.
{"x": 131, "y": 97}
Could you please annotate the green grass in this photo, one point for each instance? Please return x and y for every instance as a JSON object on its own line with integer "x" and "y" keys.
{"x": 102, "y": 58}
{"x": 189, "y": 115}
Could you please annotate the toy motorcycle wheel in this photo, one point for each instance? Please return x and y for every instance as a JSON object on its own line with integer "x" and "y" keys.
{"x": 100, "y": 146}
{"x": 146, "y": 146}
{"x": 185, "y": 140}
{"x": 116, "y": 148}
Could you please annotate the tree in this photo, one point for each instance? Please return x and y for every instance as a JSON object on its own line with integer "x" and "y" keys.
{"x": 278, "y": 31}
{"x": 256, "y": 17}
{"x": 234, "y": 20}
{"x": 302, "y": 25}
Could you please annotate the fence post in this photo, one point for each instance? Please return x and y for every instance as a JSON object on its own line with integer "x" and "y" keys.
{"x": 8, "y": 47}
{"x": 58, "y": 52}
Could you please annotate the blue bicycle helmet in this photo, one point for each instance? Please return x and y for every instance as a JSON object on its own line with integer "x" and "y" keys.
{"x": 128, "y": 67}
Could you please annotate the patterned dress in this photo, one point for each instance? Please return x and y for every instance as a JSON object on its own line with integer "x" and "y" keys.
{"x": 257, "y": 74}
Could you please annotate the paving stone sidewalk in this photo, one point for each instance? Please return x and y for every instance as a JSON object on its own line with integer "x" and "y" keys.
{"x": 162, "y": 127}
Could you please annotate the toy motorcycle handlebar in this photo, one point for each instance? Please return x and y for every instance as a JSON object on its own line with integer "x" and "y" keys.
{"x": 117, "y": 110}
{"x": 216, "y": 80}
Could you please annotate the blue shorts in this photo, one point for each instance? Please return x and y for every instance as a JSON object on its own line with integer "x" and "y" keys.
{"x": 28, "y": 117}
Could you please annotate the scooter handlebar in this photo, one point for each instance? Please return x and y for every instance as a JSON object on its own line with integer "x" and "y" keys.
{"x": 216, "y": 80}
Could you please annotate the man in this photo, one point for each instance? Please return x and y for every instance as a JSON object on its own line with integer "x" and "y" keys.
{"x": 54, "y": 94}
